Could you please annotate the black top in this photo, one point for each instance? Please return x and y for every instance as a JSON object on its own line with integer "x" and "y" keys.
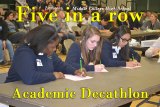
{"x": 3, "y": 29}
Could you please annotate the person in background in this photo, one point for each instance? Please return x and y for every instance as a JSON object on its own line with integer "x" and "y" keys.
{"x": 15, "y": 36}
{"x": 111, "y": 26}
{"x": 119, "y": 23}
{"x": 86, "y": 18}
{"x": 49, "y": 6}
{"x": 69, "y": 2}
{"x": 148, "y": 13}
{"x": 35, "y": 24}
{"x": 71, "y": 23}
{"x": 134, "y": 25}
{"x": 20, "y": 26}
{"x": 1, "y": 13}
{"x": 154, "y": 50}
{"x": 35, "y": 61}
{"x": 31, "y": 3}
{"x": 88, "y": 51}
{"x": 63, "y": 28}
{"x": 82, "y": 3}
{"x": 41, "y": 4}
{"x": 144, "y": 15}
{"x": 4, "y": 42}
{"x": 116, "y": 51}
{"x": 48, "y": 21}
{"x": 152, "y": 24}
{"x": 100, "y": 25}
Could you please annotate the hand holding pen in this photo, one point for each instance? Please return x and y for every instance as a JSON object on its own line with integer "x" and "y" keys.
{"x": 81, "y": 71}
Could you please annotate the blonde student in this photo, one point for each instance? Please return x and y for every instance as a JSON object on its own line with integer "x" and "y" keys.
{"x": 87, "y": 51}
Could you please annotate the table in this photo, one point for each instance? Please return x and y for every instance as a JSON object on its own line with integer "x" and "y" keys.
{"x": 146, "y": 78}
{"x": 136, "y": 33}
{"x": 140, "y": 33}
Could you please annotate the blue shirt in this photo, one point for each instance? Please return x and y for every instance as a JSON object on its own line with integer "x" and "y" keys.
{"x": 110, "y": 57}
{"x": 35, "y": 69}
{"x": 97, "y": 25}
{"x": 73, "y": 58}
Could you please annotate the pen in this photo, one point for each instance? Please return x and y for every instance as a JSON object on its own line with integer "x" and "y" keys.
{"x": 80, "y": 64}
{"x": 133, "y": 57}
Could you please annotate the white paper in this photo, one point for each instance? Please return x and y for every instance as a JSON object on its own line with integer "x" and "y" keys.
{"x": 132, "y": 67}
{"x": 76, "y": 78}
{"x": 158, "y": 60}
{"x": 104, "y": 70}
{"x": 147, "y": 43}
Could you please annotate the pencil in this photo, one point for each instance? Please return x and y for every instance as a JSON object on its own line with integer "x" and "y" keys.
{"x": 80, "y": 63}
{"x": 133, "y": 57}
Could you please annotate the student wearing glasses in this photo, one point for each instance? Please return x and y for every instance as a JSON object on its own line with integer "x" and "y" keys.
{"x": 116, "y": 51}
{"x": 36, "y": 62}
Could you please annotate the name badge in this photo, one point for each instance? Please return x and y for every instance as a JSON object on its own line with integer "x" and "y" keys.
{"x": 114, "y": 55}
{"x": 39, "y": 62}
{"x": 91, "y": 63}
{"x": 1, "y": 28}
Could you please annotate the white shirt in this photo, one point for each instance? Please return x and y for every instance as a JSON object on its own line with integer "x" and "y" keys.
{"x": 154, "y": 49}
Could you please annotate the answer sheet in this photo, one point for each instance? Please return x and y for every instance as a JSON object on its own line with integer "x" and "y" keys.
{"x": 132, "y": 67}
{"x": 76, "y": 78}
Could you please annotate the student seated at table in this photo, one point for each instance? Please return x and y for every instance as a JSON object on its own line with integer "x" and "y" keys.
{"x": 88, "y": 50}
{"x": 154, "y": 49}
{"x": 116, "y": 51}
{"x": 100, "y": 25}
{"x": 14, "y": 36}
{"x": 122, "y": 17}
{"x": 152, "y": 24}
{"x": 35, "y": 61}
{"x": 133, "y": 25}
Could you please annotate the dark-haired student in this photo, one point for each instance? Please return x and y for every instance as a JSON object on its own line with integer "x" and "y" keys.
{"x": 104, "y": 25}
{"x": 14, "y": 36}
{"x": 122, "y": 17}
{"x": 88, "y": 50}
{"x": 100, "y": 25}
{"x": 116, "y": 51}
{"x": 35, "y": 62}
{"x": 4, "y": 42}
{"x": 133, "y": 25}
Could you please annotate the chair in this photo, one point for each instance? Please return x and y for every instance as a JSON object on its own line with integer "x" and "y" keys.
{"x": 67, "y": 44}
{"x": 76, "y": 28}
{"x": 6, "y": 55}
{"x": 3, "y": 78}
{"x": 83, "y": 27}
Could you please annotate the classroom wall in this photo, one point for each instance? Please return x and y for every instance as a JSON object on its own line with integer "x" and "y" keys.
{"x": 152, "y": 5}
{"x": 10, "y": 3}
{"x": 112, "y": 3}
